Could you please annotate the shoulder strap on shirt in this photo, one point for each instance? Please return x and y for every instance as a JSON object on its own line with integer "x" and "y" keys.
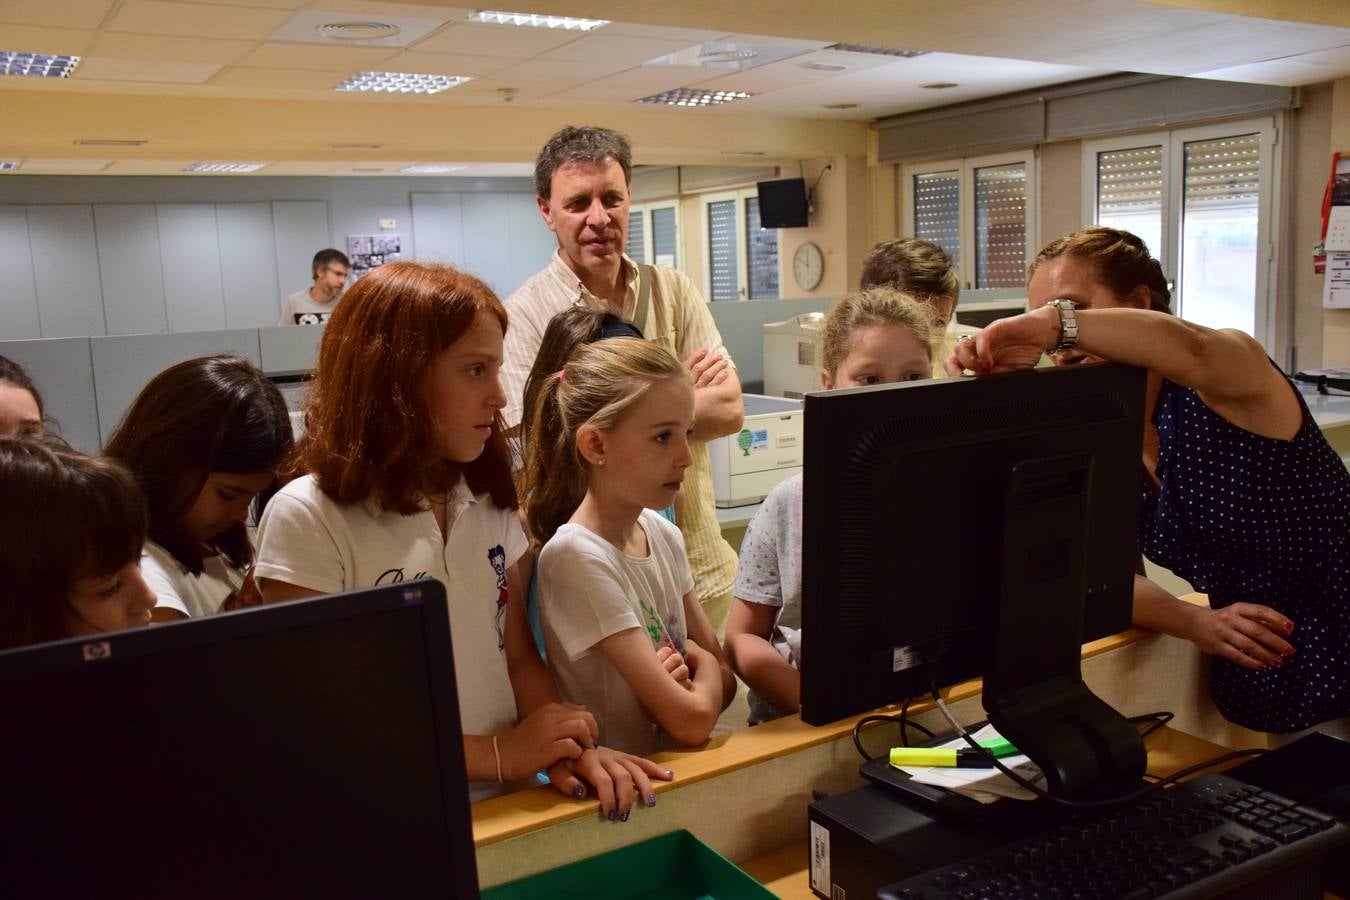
{"x": 644, "y": 298}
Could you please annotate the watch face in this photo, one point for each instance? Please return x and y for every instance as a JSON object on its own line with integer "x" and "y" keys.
{"x": 807, "y": 266}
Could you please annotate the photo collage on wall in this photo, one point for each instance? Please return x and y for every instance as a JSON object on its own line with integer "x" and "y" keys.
{"x": 369, "y": 251}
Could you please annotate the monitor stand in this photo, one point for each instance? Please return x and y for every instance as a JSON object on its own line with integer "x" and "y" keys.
{"x": 1033, "y": 687}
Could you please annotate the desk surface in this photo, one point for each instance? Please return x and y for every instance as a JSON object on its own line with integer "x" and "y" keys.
{"x": 784, "y": 871}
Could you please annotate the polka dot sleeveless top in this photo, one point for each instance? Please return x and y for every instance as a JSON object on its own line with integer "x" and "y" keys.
{"x": 1248, "y": 518}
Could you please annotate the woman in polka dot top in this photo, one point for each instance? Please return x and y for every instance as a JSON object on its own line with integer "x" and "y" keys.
{"x": 1243, "y": 497}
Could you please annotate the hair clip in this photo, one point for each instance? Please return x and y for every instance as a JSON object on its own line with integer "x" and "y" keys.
{"x": 562, "y": 374}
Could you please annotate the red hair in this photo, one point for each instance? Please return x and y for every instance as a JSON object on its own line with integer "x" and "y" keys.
{"x": 368, "y": 433}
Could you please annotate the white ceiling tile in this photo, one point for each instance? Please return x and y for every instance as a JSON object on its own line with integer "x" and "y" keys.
{"x": 445, "y": 64}
{"x": 152, "y": 48}
{"x": 112, "y": 69}
{"x": 630, "y": 85}
{"x": 791, "y": 72}
{"x": 255, "y": 4}
{"x": 148, "y": 166}
{"x": 275, "y": 55}
{"x": 279, "y": 79}
{"x": 37, "y": 39}
{"x": 63, "y": 14}
{"x": 554, "y": 75}
{"x": 304, "y": 27}
{"x": 1305, "y": 68}
{"x": 621, "y": 52}
{"x": 660, "y": 33}
{"x": 377, "y": 9}
{"x": 196, "y": 20}
{"x": 39, "y": 166}
{"x": 479, "y": 39}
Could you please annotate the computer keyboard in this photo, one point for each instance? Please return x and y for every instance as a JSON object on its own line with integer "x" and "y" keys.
{"x": 1196, "y": 839}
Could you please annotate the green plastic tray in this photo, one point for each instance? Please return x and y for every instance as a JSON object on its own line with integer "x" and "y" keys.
{"x": 675, "y": 866}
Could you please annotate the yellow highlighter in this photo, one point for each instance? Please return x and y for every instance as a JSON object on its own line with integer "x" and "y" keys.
{"x": 949, "y": 757}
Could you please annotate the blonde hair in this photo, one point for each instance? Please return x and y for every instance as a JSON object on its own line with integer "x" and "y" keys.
{"x": 1121, "y": 260}
{"x": 866, "y": 308}
{"x": 920, "y": 268}
{"x": 597, "y": 386}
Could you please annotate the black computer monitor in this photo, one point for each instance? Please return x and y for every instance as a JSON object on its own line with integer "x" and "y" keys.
{"x": 308, "y": 749}
{"x": 783, "y": 204}
{"x": 975, "y": 527}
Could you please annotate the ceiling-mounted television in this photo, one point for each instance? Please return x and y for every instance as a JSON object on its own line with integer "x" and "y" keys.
{"x": 783, "y": 204}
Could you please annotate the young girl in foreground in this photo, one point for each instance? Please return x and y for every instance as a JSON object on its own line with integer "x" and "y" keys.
{"x": 203, "y": 438}
{"x": 70, "y": 539}
{"x": 876, "y": 336}
{"x": 408, "y": 475}
{"x": 608, "y": 446}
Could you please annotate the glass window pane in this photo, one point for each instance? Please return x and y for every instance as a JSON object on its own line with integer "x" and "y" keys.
{"x": 722, "y": 260}
{"x": 1130, "y": 193}
{"x": 1218, "y": 232}
{"x": 937, "y": 211}
{"x": 1001, "y": 226}
{"x": 762, "y": 248}
{"x": 665, "y": 242}
{"x": 636, "y": 248}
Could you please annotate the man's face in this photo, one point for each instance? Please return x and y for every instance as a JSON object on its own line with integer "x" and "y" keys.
{"x": 587, "y": 209}
{"x": 331, "y": 279}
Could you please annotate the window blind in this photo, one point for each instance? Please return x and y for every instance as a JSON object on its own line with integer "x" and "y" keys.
{"x": 1001, "y": 226}
{"x": 762, "y": 248}
{"x": 937, "y": 211}
{"x": 722, "y": 259}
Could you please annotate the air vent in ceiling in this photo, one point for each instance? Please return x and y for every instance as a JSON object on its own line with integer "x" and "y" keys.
{"x": 355, "y": 146}
{"x": 108, "y": 142}
{"x": 357, "y": 31}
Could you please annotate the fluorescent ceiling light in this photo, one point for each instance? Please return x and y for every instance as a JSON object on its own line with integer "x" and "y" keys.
{"x": 431, "y": 169}
{"x": 400, "y": 83}
{"x": 10, "y": 165}
{"x": 879, "y": 51}
{"x": 223, "y": 168}
{"x": 530, "y": 20}
{"x": 694, "y": 97}
{"x": 37, "y": 65}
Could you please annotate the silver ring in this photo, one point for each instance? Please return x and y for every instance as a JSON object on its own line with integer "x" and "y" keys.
{"x": 963, "y": 337}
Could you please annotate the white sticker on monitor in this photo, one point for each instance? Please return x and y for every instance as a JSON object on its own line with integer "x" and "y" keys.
{"x": 820, "y": 859}
{"x": 903, "y": 658}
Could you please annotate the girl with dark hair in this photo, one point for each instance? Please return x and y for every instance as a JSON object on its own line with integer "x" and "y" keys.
{"x": 408, "y": 475}
{"x": 70, "y": 545}
{"x": 1243, "y": 496}
{"x": 203, "y": 438}
{"x": 20, "y": 402}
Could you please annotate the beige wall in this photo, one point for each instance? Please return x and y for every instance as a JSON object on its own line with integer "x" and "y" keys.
{"x": 1309, "y": 128}
{"x": 1336, "y": 322}
{"x": 1061, "y": 190}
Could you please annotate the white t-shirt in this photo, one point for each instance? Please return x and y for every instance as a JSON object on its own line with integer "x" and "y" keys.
{"x": 300, "y": 309}
{"x": 307, "y": 539}
{"x": 588, "y": 590}
{"x": 177, "y": 588}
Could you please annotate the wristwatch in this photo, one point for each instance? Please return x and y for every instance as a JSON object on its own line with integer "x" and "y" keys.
{"x": 1068, "y": 324}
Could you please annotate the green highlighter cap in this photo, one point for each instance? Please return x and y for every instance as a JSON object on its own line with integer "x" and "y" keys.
{"x": 1000, "y": 747}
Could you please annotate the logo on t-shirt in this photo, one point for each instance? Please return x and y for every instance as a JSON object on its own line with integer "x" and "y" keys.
{"x": 497, "y": 558}
{"x": 394, "y": 576}
{"x": 311, "y": 318}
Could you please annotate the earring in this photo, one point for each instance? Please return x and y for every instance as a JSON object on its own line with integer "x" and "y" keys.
{"x": 600, "y": 461}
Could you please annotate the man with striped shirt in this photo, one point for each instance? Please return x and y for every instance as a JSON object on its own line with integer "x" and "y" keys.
{"x": 581, "y": 184}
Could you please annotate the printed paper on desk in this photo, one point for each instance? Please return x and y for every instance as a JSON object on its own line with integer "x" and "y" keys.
{"x": 984, "y": 785}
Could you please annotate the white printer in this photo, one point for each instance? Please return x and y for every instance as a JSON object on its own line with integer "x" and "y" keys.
{"x": 792, "y": 355}
{"x": 768, "y": 448}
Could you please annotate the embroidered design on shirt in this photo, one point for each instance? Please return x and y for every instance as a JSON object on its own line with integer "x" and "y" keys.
{"x": 497, "y": 558}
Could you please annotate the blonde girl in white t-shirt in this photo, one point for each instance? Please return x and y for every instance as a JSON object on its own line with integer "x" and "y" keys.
{"x": 624, "y": 631}
{"x": 407, "y": 475}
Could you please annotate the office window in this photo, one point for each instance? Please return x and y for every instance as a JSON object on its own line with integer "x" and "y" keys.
{"x": 1201, "y": 199}
{"x": 654, "y": 233}
{"x": 937, "y": 211}
{"x": 982, "y": 211}
{"x": 742, "y": 257}
{"x": 637, "y": 236}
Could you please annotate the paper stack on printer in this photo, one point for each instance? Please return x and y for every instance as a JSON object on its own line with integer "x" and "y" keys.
{"x": 984, "y": 785}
